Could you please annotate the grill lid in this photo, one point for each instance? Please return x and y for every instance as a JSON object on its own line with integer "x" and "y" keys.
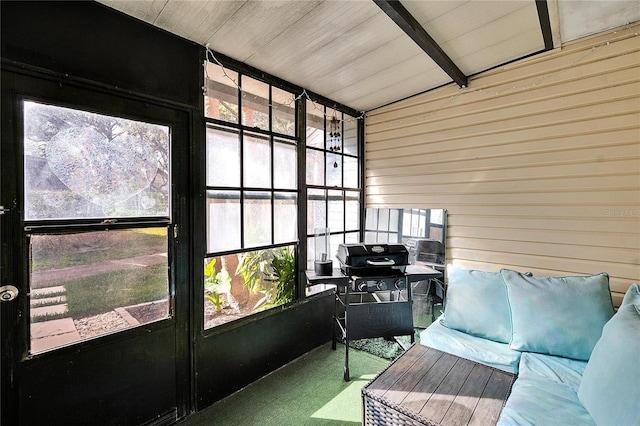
{"x": 426, "y": 250}
{"x": 381, "y": 259}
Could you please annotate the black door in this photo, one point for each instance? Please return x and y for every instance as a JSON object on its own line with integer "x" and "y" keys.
{"x": 93, "y": 239}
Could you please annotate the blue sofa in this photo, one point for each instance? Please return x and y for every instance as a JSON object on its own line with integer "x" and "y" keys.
{"x": 577, "y": 360}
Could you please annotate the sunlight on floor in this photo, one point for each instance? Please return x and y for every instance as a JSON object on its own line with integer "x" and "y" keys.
{"x": 336, "y": 409}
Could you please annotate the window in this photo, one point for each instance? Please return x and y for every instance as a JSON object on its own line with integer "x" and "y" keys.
{"x": 251, "y": 196}
{"x": 96, "y": 211}
{"x": 385, "y": 225}
{"x": 334, "y": 195}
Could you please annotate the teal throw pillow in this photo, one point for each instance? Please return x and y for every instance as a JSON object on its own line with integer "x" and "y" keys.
{"x": 632, "y": 296}
{"x": 610, "y": 387}
{"x": 477, "y": 304}
{"x": 561, "y": 316}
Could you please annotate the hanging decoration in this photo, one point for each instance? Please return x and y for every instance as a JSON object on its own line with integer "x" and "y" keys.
{"x": 335, "y": 140}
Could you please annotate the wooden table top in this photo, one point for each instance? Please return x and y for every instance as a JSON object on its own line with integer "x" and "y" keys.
{"x": 442, "y": 388}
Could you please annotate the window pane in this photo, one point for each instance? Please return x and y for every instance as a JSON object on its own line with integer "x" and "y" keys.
{"x": 371, "y": 219}
{"x": 255, "y": 103}
{"x": 394, "y": 219}
{"x": 335, "y": 241}
{"x": 284, "y": 112}
{"x": 334, "y": 169}
{"x": 238, "y": 285}
{"x": 387, "y": 219}
{"x": 350, "y": 172}
{"x": 406, "y": 222}
{"x": 84, "y": 165}
{"x": 84, "y": 285}
{"x": 257, "y": 161}
{"x": 352, "y": 237}
{"x": 311, "y": 253}
{"x": 223, "y": 220}
{"x": 316, "y": 209}
{"x": 315, "y": 125}
{"x": 221, "y": 99}
{"x": 315, "y": 167}
{"x": 437, "y": 216}
{"x": 285, "y": 173}
{"x": 257, "y": 219}
{"x": 285, "y": 224}
{"x": 336, "y": 211}
{"x": 352, "y": 206}
{"x": 223, "y": 157}
{"x": 350, "y": 138}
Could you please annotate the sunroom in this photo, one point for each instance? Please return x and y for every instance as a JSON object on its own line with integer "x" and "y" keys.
{"x": 169, "y": 170}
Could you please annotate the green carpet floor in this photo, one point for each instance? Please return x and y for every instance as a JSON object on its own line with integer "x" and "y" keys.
{"x": 308, "y": 391}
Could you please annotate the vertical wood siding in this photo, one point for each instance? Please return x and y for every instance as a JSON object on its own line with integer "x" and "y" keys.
{"x": 537, "y": 163}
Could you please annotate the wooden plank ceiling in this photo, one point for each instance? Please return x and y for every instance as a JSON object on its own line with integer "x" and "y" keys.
{"x": 353, "y": 52}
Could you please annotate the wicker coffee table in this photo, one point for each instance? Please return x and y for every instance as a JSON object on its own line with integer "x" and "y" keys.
{"x": 425, "y": 386}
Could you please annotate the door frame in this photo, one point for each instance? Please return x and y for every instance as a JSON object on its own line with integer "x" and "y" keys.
{"x": 136, "y": 351}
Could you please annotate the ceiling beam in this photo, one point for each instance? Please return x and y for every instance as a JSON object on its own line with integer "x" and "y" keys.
{"x": 545, "y": 24}
{"x": 401, "y": 16}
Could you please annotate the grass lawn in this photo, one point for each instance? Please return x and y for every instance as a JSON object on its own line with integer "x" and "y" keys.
{"x": 59, "y": 251}
{"x": 102, "y": 293}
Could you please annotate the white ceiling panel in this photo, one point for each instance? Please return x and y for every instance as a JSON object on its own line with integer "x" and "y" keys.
{"x": 255, "y": 25}
{"x": 513, "y": 35}
{"x": 352, "y": 52}
{"x": 479, "y": 35}
{"x": 145, "y": 10}
{"x": 580, "y": 18}
{"x": 348, "y": 31}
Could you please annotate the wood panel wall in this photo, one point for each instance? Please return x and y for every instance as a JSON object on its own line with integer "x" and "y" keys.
{"x": 537, "y": 162}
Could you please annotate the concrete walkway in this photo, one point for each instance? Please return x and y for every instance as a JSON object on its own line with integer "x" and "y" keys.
{"x": 40, "y": 279}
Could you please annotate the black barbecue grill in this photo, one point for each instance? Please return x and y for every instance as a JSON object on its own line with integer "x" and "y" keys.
{"x": 373, "y": 259}
{"x": 377, "y": 301}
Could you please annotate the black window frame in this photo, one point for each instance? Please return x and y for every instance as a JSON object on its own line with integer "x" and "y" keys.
{"x": 302, "y": 95}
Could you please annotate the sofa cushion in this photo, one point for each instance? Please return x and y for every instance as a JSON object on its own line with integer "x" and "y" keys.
{"x": 538, "y": 401}
{"x": 556, "y": 369}
{"x": 632, "y": 296}
{"x": 477, "y": 304}
{"x": 488, "y": 352}
{"x": 610, "y": 388}
{"x": 560, "y": 316}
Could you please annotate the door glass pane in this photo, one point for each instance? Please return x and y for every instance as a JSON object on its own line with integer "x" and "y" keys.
{"x": 257, "y": 162}
{"x": 221, "y": 97}
{"x": 257, "y": 218}
{"x": 223, "y": 220}
{"x": 223, "y": 157}
{"x": 84, "y": 285}
{"x": 78, "y": 164}
{"x": 255, "y": 103}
